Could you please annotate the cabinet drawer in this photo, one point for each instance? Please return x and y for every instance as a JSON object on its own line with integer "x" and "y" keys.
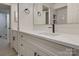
{"x": 47, "y": 47}
{"x": 26, "y": 49}
{"x": 32, "y": 50}
{"x": 50, "y": 47}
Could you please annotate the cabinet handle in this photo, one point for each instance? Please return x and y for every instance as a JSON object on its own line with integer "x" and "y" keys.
{"x": 13, "y": 38}
{"x": 35, "y": 54}
{"x": 21, "y": 35}
{"x": 73, "y": 54}
{"x": 21, "y": 44}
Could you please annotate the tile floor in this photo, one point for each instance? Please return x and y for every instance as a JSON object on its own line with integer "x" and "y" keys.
{"x": 5, "y": 50}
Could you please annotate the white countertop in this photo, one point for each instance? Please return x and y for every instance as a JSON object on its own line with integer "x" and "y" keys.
{"x": 69, "y": 40}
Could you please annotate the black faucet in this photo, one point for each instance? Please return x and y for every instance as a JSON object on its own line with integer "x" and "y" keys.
{"x": 53, "y": 25}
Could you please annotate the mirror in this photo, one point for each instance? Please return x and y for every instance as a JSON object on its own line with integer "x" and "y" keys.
{"x": 41, "y": 14}
{"x": 60, "y": 13}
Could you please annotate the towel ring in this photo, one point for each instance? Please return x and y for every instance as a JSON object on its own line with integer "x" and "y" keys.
{"x": 27, "y": 11}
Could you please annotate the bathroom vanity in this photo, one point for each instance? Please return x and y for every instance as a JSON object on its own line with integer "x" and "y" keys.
{"x": 26, "y": 42}
{"x": 42, "y": 44}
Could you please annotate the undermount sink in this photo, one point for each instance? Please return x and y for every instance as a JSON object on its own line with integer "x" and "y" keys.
{"x": 50, "y": 34}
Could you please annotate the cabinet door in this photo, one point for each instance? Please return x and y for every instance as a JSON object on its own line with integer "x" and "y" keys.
{"x": 35, "y": 50}
{"x": 75, "y": 52}
{"x": 15, "y": 40}
{"x": 28, "y": 49}
{"x": 39, "y": 52}
{"x": 25, "y": 49}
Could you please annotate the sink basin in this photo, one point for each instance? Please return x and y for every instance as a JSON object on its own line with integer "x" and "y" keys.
{"x": 50, "y": 34}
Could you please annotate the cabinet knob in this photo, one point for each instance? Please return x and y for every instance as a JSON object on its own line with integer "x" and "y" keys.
{"x": 13, "y": 38}
{"x": 21, "y": 44}
{"x": 21, "y": 35}
{"x": 35, "y": 54}
{"x": 73, "y": 54}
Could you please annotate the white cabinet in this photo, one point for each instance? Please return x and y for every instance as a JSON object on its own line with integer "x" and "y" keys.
{"x": 34, "y": 46}
{"x": 27, "y": 48}
{"x": 15, "y": 40}
{"x": 29, "y": 45}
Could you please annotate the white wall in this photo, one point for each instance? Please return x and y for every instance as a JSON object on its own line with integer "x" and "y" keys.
{"x": 14, "y": 18}
{"x": 25, "y": 20}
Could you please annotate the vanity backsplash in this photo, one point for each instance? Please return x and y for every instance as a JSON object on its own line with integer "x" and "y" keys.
{"x": 64, "y": 28}
{"x": 43, "y": 28}
{"x": 68, "y": 28}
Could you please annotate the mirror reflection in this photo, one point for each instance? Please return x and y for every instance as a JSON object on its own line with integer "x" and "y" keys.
{"x": 41, "y": 14}
{"x": 58, "y": 13}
